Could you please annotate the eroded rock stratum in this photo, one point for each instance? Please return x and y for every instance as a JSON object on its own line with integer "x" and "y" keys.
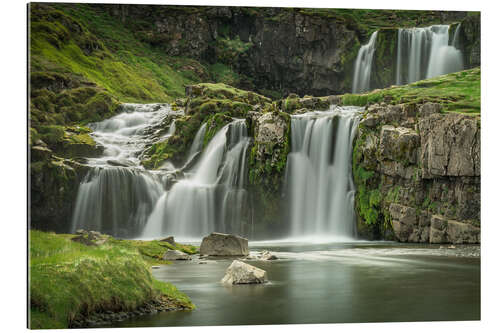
{"x": 418, "y": 174}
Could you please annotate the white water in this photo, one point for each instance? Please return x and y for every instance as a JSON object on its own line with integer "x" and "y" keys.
{"x": 319, "y": 176}
{"x": 118, "y": 198}
{"x": 363, "y": 66}
{"x": 212, "y": 197}
{"x": 425, "y": 53}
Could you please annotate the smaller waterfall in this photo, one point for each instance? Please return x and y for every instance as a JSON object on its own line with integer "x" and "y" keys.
{"x": 363, "y": 66}
{"x": 117, "y": 195}
{"x": 212, "y": 196}
{"x": 319, "y": 176}
{"x": 425, "y": 53}
{"x": 197, "y": 144}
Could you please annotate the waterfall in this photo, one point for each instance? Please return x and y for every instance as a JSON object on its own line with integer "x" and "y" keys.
{"x": 425, "y": 53}
{"x": 319, "y": 176}
{"x": 116, "y": 201}
{"x": 363, "y": 66}
{"x": 212, "y": 197}
{"x": 120, "y": 198}
{"x": 117, "y": 195}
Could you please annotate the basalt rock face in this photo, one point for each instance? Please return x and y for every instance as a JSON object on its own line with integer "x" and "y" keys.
{"x": 276, "y": 49}
{"x": 418, "y": 171}
{"x": 54, "y": 184}
{"x": 279, "y": 49}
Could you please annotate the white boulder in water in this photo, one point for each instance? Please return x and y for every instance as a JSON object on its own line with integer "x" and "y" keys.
{"x": 217, "y": 244}
{"x": 241, "y": 273}
{"x": 176, "y": 255}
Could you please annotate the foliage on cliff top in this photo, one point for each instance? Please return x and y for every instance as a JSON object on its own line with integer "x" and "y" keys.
{"x": 68, "y": 279}
{"x": 457, "y": 92}
{"x": 85, "y": 40}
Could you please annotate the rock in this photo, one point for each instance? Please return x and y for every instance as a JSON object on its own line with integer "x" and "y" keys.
{"x": 266, "y": 255}
{"x": 399, "y": 144}
{"x": 429, "y": 108}
{"x": 450, "y": 145}
{"x": 176, "y": 255}
{"x": 121, "y": 163}
{"x": 169, "y": 240}
{"x": 155, "y": 267}
{"x": 241, "y": 273}
{"x": 90, "y": 238}
{"x": 217, "y": 244}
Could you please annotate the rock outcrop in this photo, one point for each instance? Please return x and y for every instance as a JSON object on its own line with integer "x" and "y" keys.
{"x": 176, "y": 255}
{"x": 418, "y": 174}
{"x": 242, "y": 273}
{"x": 217, "y": 244}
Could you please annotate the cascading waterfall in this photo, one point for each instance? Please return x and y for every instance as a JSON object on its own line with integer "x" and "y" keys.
{"x": 319, "y": 176}
{"x": 120, "y": 198}
{"x": 212, "y": 197}
{"x": 117, "y": 195}
{"x": 363, "y": 66}
{"x": 426, "y": 52}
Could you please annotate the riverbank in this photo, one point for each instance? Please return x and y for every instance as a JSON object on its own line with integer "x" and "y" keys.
{"x": 77, "y": 285}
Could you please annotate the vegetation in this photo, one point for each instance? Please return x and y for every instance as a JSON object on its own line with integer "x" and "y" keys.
{"x": 68, "y": 279}
{"x": 457, "y": 92}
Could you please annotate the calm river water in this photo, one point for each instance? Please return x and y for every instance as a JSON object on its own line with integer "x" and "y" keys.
{"x": 330, "y": 283}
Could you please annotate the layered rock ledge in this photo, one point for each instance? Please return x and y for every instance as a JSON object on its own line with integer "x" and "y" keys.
{"x": 417, "y": 172}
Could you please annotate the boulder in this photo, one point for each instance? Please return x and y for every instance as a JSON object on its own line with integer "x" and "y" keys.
{"x": 217, "y": 244}
{"x": 169, "y": 240}
{"x": 240, "y": 273}
{"x": 176, "y": 255}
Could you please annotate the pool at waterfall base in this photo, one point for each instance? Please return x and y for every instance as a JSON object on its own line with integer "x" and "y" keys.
{"x": 329, "y": 283}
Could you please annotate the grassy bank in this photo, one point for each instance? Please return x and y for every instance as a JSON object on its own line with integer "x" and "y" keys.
{"x": 69, "y": 279}
{"x": 457, "y": 92}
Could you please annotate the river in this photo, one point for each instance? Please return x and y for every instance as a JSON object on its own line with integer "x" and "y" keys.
{"x": 330, "y": 283}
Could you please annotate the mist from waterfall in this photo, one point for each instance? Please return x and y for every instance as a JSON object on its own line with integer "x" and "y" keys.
{"x": 363, "y": 66}
{"x": 426, "y": 52}
{"x": 319, "y": 176}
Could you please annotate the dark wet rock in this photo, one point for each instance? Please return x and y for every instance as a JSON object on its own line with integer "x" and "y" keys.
{"x": 121, "y": 163}
{"x": 217, "y": 244}
{"x": 169, "y": 240}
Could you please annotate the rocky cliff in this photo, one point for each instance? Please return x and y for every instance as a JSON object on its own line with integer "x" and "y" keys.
{"x": 418, "y": 174}
{"x": 283, "y": 50}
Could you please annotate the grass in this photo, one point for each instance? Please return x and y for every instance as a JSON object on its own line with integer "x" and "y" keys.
{"x": 68, "y": 279}
{"x": 85, "y": 40}
{"x": 456, "y": 92}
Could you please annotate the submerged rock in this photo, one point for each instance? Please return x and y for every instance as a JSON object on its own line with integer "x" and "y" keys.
{"x": 266, "y": 255}
{"x": 176, "y": 255}
{"x": 217, "y": 244}
{"x": 240, "y": 273}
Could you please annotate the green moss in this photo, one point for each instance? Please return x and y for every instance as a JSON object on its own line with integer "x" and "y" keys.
{"x": 456, "y": 92}
{"x": 68, "y": 279}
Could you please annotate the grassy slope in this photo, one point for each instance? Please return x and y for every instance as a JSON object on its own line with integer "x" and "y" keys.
{"x": 457, "y": 92}
{"x": 68, "y": 278}
{"x": 85, "y": 40}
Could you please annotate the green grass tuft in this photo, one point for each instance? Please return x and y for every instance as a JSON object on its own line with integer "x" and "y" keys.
{"x": 68, "y": 279}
